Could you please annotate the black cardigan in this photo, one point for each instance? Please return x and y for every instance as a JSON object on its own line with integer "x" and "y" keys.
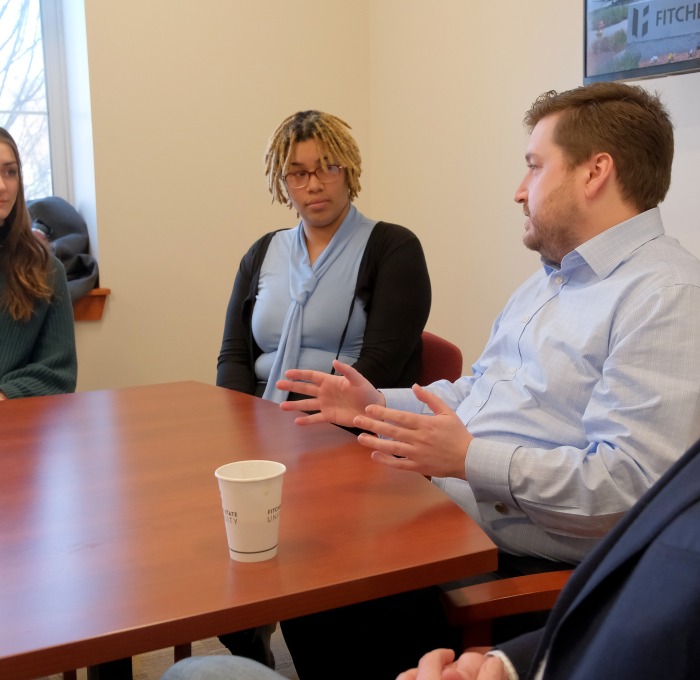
{"x": 393, "y": 285}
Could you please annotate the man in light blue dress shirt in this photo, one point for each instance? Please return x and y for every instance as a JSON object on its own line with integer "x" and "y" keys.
{"x": 587, "y": 389}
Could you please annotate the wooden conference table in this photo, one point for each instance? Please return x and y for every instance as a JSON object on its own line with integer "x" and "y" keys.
{"x": 112, "y": 540}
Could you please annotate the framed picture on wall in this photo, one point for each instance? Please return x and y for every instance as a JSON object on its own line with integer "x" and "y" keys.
{"x": 626, "y": 39}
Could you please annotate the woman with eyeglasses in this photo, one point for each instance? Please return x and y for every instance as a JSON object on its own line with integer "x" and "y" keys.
{"x": 337, "y": 285}
{"x": 37, "y": 336}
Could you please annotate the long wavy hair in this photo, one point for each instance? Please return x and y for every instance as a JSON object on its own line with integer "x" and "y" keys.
{"x": 24, "y": 259}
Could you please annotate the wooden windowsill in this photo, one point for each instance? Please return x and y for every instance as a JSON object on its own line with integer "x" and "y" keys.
{"x": 90, "y": 306}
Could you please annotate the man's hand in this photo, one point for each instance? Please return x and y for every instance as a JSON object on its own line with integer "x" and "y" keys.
{"x": 440, "y": 665}
{"x": 435, "y": 446}
{"x": 337, "y": 398}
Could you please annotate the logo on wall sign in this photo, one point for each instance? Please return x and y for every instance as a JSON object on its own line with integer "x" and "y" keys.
{"x": 640, "y": 21}
{"x": 662, "y": 19}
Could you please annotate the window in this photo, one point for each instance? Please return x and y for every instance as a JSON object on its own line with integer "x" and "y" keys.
{"x": 32, "y": 85}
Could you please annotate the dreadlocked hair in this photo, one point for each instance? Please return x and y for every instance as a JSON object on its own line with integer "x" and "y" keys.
{"x": 24, "y": 260}
{"x": 334, "y": 142}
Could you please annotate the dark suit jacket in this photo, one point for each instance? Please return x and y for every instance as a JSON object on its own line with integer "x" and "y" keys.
{"x": 632, "y": 607}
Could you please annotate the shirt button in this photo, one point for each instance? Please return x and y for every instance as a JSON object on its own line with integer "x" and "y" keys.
{"x": 501, "y": 509}
{"x": 511, "y": 370}
{"x": 559, "y": 280}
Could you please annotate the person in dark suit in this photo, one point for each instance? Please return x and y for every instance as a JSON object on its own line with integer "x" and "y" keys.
{"x": 631, "y": 610}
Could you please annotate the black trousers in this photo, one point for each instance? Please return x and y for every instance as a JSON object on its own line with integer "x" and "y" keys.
{"x": 371, "y": 640}
{"x": 379, "y": 639}
{"x": 111, "y": 670}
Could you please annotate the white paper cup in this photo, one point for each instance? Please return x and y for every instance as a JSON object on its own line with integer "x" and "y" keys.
{"x": 251, "y": 496}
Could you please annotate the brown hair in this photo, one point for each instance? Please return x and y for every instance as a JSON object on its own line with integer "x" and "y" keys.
{"x": 332, "y": 136}
{"x": 24, "y": 260}
{"x": 627, "y": 122}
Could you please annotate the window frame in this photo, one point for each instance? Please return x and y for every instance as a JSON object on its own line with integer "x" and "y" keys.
{"x": 57, "y": 99}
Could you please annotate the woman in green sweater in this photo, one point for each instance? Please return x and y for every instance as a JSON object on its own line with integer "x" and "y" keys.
{"x": 37, "y": 336}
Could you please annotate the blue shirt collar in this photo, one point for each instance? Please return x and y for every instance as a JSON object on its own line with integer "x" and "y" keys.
{"x": 604, "y": 252}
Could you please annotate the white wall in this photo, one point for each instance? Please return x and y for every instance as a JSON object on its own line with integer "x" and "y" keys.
{"x": 184, "y": 97}
{"x": 448, "y": 142}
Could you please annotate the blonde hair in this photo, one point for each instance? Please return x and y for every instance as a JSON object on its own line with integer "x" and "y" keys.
{"x": 333, "y": 139}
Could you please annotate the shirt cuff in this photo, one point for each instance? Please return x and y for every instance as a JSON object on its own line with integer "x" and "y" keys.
{"x": 403, "y": 399}
{"x": 510, "y": 669}
{"x": 487, "y": 470}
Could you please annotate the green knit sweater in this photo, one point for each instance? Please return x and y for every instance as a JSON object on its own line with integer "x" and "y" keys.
{"x": 38, "y": 356}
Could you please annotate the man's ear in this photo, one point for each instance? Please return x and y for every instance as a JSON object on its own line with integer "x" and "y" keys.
{"x": 601, "y": 169}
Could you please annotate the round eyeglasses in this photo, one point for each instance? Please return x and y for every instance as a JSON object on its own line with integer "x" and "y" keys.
{"x": 300, "y": 178}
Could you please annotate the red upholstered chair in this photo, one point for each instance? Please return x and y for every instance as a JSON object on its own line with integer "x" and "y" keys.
{"x": 441, "y": 359}
{"x": 472, "y": 609}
